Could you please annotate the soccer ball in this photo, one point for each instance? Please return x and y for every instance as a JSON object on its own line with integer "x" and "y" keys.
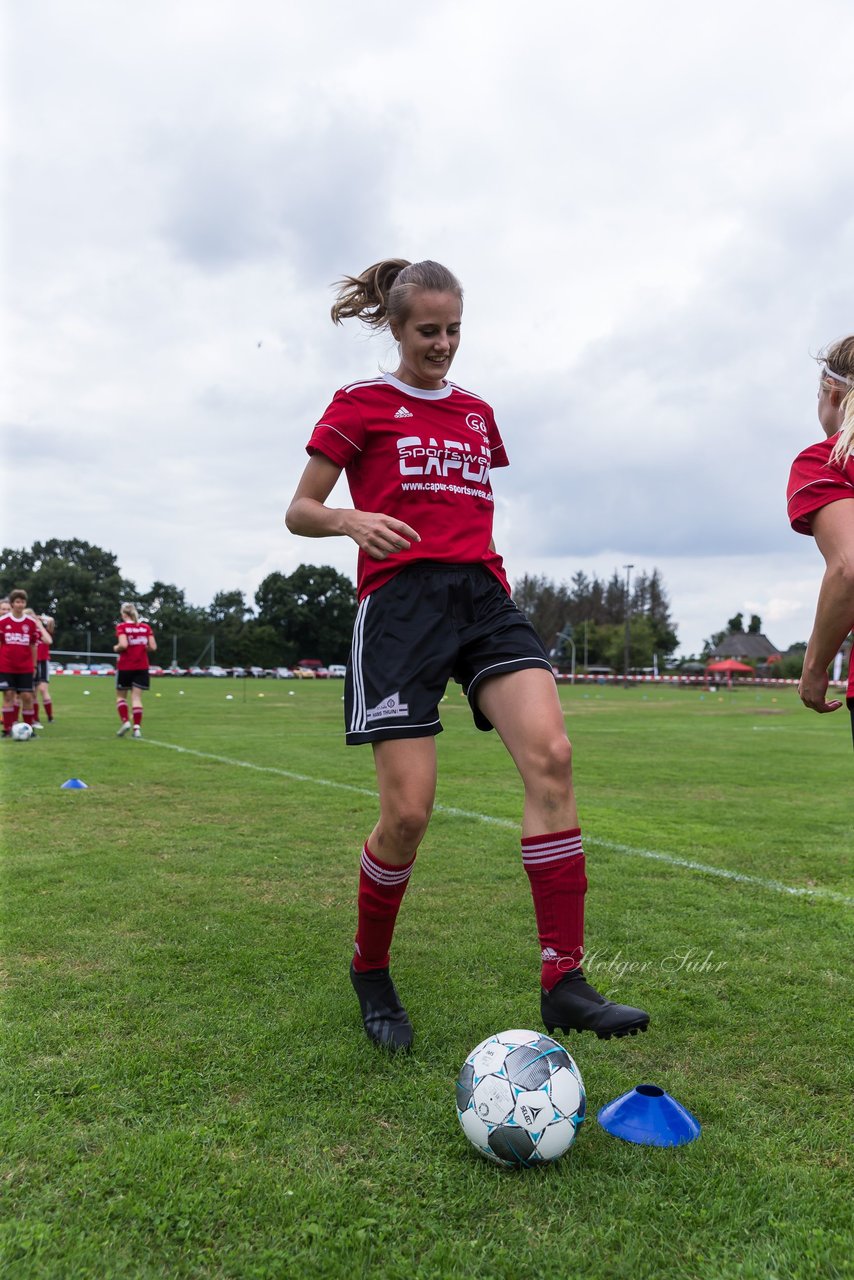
{"x": 21, "y": 731}
{"x": 520, "y": 1098}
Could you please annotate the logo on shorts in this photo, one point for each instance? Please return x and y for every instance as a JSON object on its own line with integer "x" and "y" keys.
{"x": 388, "y": 708}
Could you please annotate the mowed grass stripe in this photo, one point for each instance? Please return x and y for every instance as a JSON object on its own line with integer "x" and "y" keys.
{"x": 686, "y": 864}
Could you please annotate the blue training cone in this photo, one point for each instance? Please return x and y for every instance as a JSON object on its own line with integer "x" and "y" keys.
{"x": 74, "y": 784}
{"x": 650, "y": 1117}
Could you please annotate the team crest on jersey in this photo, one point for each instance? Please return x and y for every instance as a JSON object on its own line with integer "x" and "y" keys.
{"x": 476, "y": 422}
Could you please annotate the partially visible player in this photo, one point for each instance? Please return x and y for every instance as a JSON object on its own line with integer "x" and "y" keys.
{"x": 134, "y": 641}
{"x": 19, "y": 637}
{"x": 43, "y": 671}
{"x": 821, "y": 503}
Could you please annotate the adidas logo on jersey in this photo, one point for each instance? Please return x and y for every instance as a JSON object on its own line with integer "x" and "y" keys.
{"x": 403, "y": 413}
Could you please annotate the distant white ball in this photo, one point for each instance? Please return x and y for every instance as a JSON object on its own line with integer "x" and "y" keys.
{"x": 520, "y": 1098}
{"x": 21, "y": 732}
{"x": 85, "y": 693}
{"x": 229, "y": 697}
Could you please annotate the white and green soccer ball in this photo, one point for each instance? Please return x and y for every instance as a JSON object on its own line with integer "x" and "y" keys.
{"x": 520, "y": 1098}
{"x": 21, "y": 731}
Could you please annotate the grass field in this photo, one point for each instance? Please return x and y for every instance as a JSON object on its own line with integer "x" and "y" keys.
{"x": 188, "y": 1091}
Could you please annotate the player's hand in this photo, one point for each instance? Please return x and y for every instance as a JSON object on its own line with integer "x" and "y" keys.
{"x": 380, "y": 536}
{"x": 812, "y": 691}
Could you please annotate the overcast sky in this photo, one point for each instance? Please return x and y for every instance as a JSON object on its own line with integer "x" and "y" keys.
{"x": 650, "y": 207}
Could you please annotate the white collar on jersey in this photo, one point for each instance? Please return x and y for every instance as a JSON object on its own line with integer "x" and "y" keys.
{"x": 418, "y": 392}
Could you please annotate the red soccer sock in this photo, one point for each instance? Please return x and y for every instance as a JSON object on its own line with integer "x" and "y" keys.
{"x": 555, "y": 867}
{"x": 122, "y": 708}
{"x": 10, "y": 715}
{"x": 48, "y": 708}
{"x": 137, "y": 717}
{"x": 381, "y": 890}
{"x": 28, "y": 715}
{"x": 35, "y": 712}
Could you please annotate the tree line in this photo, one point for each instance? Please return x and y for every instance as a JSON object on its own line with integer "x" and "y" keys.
{"x": 591, "y": 613}
{"x": 310, "y": 612}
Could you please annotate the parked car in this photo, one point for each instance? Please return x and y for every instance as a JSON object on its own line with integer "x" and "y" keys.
{"x": 175, "y": 671}
{"x": 156, "y": 671}
{"x": 305, "y": 673}
{"x": 257, "y": 672}
{"x": 56, "y": 668}
{"x": 77, "y": 669}
{"x": 283, "y": 673}
{"x": 216, "y": 671}
{"x": 237, "y": 672}
{"x": 102, "y": 669}
{"x": 196, "y": 671}
{"x": 336, "y": 670}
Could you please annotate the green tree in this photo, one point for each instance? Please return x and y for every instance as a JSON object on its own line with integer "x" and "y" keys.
{"x": 754, "y": 627}
{"x": 596, "y": 610}
{"x": 182, "y": 630}
{"x": 81, "y": 585}
{"x": 312, "y": 610}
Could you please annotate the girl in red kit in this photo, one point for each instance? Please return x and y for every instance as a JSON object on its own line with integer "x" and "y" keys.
{"x": 43, "y": 671}
{"x": 821, "y": 503}
{"x": 134, "y": 641}
{"x": 20, "y": 634}
{"x": 434, "y": 603}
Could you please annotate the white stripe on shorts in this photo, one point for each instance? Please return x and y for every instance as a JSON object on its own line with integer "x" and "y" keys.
{"x": 358, "y": 718}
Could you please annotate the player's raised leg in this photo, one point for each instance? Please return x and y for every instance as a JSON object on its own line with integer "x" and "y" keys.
{"x": 525, "y": 709}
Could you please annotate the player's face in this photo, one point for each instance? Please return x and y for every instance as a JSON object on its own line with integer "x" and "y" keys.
{"x": 18, "y": 607}
{"x": 428, "y": 339}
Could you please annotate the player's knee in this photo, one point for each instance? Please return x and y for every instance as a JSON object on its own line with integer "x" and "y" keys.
{"x": 557, "y": 758}
{"x": 407, "y": 821}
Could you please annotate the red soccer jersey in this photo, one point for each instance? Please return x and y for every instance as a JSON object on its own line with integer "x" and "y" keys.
{"x": 423, "y": 457}
{"x": 17, "y": 636}
{"x": 135, "y": 656}
{"x": 814, "y": 482}
{"x": 43, "y": 652}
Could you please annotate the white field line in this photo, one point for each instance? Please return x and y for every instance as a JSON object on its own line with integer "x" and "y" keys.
{"x": 723, "y": 873}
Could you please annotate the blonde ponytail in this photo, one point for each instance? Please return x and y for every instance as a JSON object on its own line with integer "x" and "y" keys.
{"x": 379, "y": 297}
{"x": 837, "y": 360}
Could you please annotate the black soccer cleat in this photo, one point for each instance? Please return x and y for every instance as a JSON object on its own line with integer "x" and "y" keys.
{"x": 573, "y": 1005}
{"x": 386, "y": 1021}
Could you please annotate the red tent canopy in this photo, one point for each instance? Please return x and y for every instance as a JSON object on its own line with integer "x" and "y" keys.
{"x": 728, "y": 664}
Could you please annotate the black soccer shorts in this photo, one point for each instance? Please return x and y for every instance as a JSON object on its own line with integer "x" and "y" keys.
{"x": 21, "y": 681}
{"x": 430, "y": 623}
{"x": 133, "y": 679}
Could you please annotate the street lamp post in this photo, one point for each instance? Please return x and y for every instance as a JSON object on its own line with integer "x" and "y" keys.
{"x": 628, "y": 568}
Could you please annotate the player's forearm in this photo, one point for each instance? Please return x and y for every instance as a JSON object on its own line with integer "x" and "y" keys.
{"x": 312, "y": 519}
{"x": 834, "y": 617}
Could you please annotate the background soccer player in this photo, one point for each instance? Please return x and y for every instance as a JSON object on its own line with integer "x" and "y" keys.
{"x": 821, "y": 503}
{"x": 434, "y": 602}
{"x": 134, "y": 641}
{"x": 20, "y": 633}
{"x": 43, "y": 671}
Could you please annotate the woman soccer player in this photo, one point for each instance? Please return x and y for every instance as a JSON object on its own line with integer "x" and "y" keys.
{"x": 43, "y": 671}
{"x": 434, "y": 602}
{"x": 134, "y": 641}
{"x": 821, "y": 503}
